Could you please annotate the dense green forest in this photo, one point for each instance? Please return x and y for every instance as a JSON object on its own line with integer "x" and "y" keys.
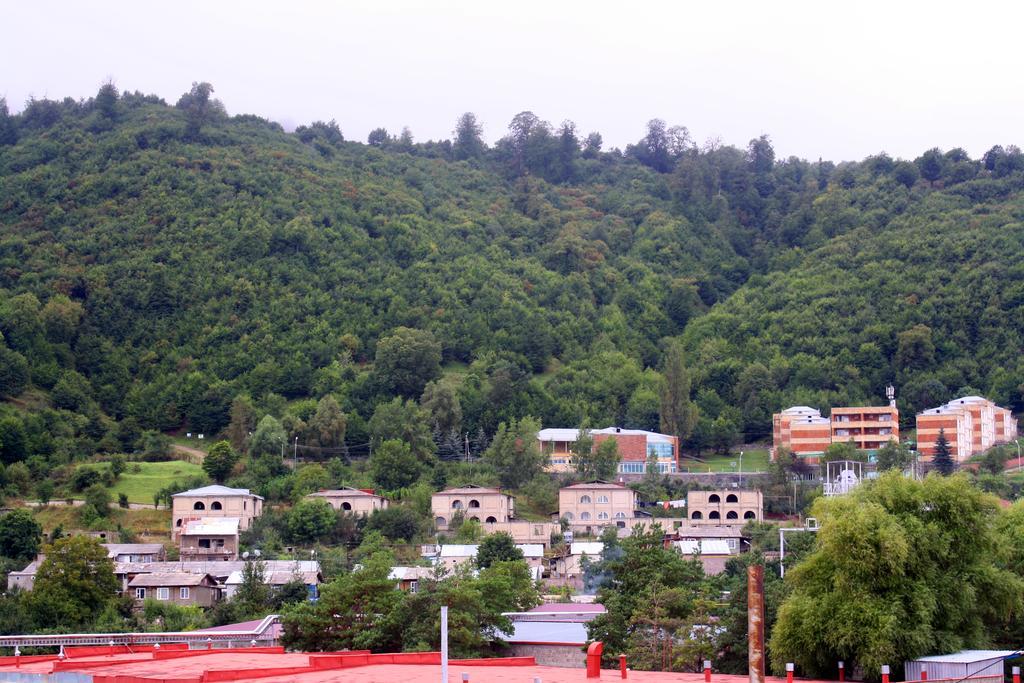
{"x": 171, "y": 266}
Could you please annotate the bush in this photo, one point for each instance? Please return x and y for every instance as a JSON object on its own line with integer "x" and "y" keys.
{"x": 84, "y": 477}
{"x": 97, "y": 497}
{"x": 122, "y": 500}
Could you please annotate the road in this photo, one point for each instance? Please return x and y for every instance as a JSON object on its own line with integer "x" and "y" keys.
{"x": 194, "y": 454}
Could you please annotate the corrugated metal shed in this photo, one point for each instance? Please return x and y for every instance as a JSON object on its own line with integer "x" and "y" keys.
{"x": 958, "y": 665}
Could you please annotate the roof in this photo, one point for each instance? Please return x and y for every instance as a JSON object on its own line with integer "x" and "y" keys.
{"x": 211, "y": 526}
{"x": 212, "y": 567}
{"x": 586, "y": 548}
{"x": 411, "y": 573}
{"x": 597, "y": 485}
{"x": 561, "y": 632}
{"x": 170, "y": 579}
{"x": 31, "y": 569}
{"x": 468, "y": 490}
{"x": 469, "y": 550}
{"x": 564, "y": 434}
{"x": 277, "y": 578}
{"x": 570, "y": 607}
{"x": 344, "y": 492}
{"x": 968, "y": 656}
{"x": 705, "y": 546}
{"x": 216, "y": 490}
{"x": 801, "y": 410}
{"x": 708, "y": 532}
{"x": 115, "y": 549}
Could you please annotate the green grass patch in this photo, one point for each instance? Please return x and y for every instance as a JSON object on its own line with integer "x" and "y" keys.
{"x": 150, "y": 478}
{"x": 754, "y": 460}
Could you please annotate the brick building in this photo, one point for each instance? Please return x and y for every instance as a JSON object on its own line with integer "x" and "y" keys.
{"x": 972, "y": 424}
{"x": 804, "y": 431}
{"x": 635, "y": 445}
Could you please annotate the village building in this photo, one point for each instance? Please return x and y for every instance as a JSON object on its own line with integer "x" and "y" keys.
{"x": 177, "y": 588}
{"x": 971, "y": 425}
{"x": 214, "y": 501}
{"x": 209, "y": 539}
{"x": 635, "y": 446}
{"x": 724, "y": 507}
{"x": 589, "y": 507}
{"x": 355, "y": 501}
{"x": 485, "y": 505}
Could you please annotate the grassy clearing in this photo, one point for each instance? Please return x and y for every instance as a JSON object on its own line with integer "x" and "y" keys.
{"x": 150, "y": 478}
{"x": 147, "y": 524}
{"x": 754, "y": 460}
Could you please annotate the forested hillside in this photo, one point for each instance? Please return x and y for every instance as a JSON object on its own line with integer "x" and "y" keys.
{"x": 159, "y": 263}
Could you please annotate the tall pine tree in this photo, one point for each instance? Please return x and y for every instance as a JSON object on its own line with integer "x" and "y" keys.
{"x": 943, "y": 458}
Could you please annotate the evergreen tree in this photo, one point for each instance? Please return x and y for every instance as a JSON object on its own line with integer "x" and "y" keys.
{"x": 943, "y": 457}
{"x": 678, "y": 413}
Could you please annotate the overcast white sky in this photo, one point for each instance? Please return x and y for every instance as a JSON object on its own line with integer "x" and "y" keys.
{"x": 840, "y": 80}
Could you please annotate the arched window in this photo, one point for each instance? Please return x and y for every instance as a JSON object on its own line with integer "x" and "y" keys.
{"x": 569, "y": 516}
{"x": 731, "y": 515}
{"x": 346, "y": 505}
{"x": 491, "y": 520}
{"x": 475, "y": 518}
{"x": 620, "y": 515}
{"x": 178, "y": 523}
{"x": 199, "y": 505}
{"x": 584, "y": 500}
{"x": 621, "y": 525}
{"x": 713, "y": 498}
{"x": 584, "y": 516}
{"x": 215, "y": 505}
{"x": 731, "y": 498}
{"x": 440, "y": 521}
{"x": 714, "y": 515}
{"x": 474, "y": 503}
{"x": 456, "y": 505}
{"x": 602, "y": 500}
{"x": 697, "y": 515}
{"x": 749, "y": 514}
{"x": 602, "y": 515}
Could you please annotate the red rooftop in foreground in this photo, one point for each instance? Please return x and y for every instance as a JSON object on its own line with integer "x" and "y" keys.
{"x": 146, "y": 664}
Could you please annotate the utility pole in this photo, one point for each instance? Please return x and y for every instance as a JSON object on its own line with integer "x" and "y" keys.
{"x": 467, "y": 446}
{"x": 295, "y": 453}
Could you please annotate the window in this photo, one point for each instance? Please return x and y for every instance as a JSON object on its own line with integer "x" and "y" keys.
{"x": 413, "y": 586}
{"x": 584, "y": 516}
{"x": 215, "y": 505}
{"x": 697, "y": 515}
{"x": 163, "y": 593}
{"x": 664, "y": 451}
{"x": 140, "y": 593}
{"x": 245, "y": 504}
{"x": 199, "y": 505}
{"x": 474, "y": 503}
{"x": 204, "y": 543}
{"x": 731, "y": 498}
{"x": 621, "y": 525}
{"x": 440, "y": 521}
{"x": 491, "y": 520}
{"x": 569, "y": 516}
{"x": 732, "y": 515}
{"x": 749, "y": 514}
{"x": 714, "y": 515}
{"x": 714, "y": 498}
{"x": 346, "y": 505}
{"x": 183, "y": 593}
{"x": 456, "y": 505}
{"x": 178, "y": 523}
{"x": 602, "y": 515}
{"x": 602, "y": 500}
{"x": 632, "y": 467}
{"x": 620, "y": 515}
{"x": 584, "y": 500}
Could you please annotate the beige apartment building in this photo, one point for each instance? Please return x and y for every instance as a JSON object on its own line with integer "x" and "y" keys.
{"x": 487, "y": 506}
{"x": 209, "y": 539}
{"x": 597, "y": 504}
{"x": 215, "y": 501}
{"x": 726, "y": 507}
{"x": 356, "y": 501}
{"x": 523, "y": 531}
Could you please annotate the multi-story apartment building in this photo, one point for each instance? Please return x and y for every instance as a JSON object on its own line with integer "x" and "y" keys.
{"x": 209, "y": 539}
{"x": 597, "y": 504}
{"x": 635, "y": 445}
{"x": 804, "y": 431}
{"x": 724, "y": 508}
{"x": 486, "y": 506}
{"x": 355, "y": 501}
{"x": 971, "y": 424}
{"x": 215, "y": 501}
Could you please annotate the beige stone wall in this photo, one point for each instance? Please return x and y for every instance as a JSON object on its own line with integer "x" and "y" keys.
{"x": 568, "y": 656}
{"x": 353, "y": 502}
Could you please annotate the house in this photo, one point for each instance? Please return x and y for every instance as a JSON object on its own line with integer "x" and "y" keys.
{"x": 485, "y": 505}
{"x": 356, "y": 501}
{"x": 971, "y": 424}
{"x": 597, "y": 504}
{"x": 212, "y": 502}
{"x": 179, "y": 588}
{"x": 25, "y": 579}
{"x": 136, "y": 552}
{"x": 635, "y": 447}
{"x": 311, "y": 579}
{"x": 554, "y": 634}
{"x": 725, "y": 507}
{"x": 523, "y": 531}
{"x": 209, "y": 539}
{"x": 220, "y": 570}
{"x": 804, "y": 431}
{"x": 570, "y": 564}
{"x": 712, "y": 554}
{"x": 408, "y": 578}
{"x": 450, "y": 556}
{"x": 731, "y": 536}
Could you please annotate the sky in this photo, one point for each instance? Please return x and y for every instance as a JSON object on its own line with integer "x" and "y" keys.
{"x": 835, "y": 80}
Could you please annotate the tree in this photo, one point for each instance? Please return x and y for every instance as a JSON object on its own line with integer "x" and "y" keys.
{"x": 8, "y": 128}
{"x": 378, "y": 137}
{"x": 499, "y": 547}
{"x": 594, "y": 462}
{"x": 328, "y": 424}
{"x": 106, "y": 101}
{"x": 915, "y": 349}
{"x": 269, "y": 437}
{"x": 200, "y": 109}
{"x": 678, "y": 413}
{"x": 994, "y": 460}
{"x": 906, "y": 173}
{"x": 97, "y": 497}
{"x": 724, "y": 434}
{"x": 931, "y": 164}
{"x": 441, "y": 401}
{"x": 911, "y": 566}
{"x": 468, "y": 134}
{"x": 73, "y": 584}
{"x": 514, "y": 453}
{"x": 394, "y": 466}
{"x": 893, "y": 456}
{"x": 397, "y": 523}
{"x": 942, "y": 457}
{"x": 404, "y": 421}
{"x": 253, "y": 594}
{"x": 311, "y": 520}
{"x": 219, "y": 462}
{"x": 242, "y": 422}
{"x": 20, "y": 534}
{"x": 14, "y": 373}
{"x": 408, "y": 359}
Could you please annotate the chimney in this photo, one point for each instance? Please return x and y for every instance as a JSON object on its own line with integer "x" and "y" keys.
{"x": 755, "y": 623}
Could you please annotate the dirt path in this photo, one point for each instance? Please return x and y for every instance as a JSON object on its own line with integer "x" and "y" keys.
{"x": 79, "y": 502}
{"x": 194, "y": 454}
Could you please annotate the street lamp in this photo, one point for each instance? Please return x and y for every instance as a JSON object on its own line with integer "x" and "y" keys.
{"x": 741, "y": 469}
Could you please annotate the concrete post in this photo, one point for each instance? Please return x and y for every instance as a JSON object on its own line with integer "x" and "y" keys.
{"x": 622, "y": 665}
{"x": 842, "y": 671}
{"x": 789, "y": 672}
{"x": 444, "y": 644}
{"x": 1016, "y": 674}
